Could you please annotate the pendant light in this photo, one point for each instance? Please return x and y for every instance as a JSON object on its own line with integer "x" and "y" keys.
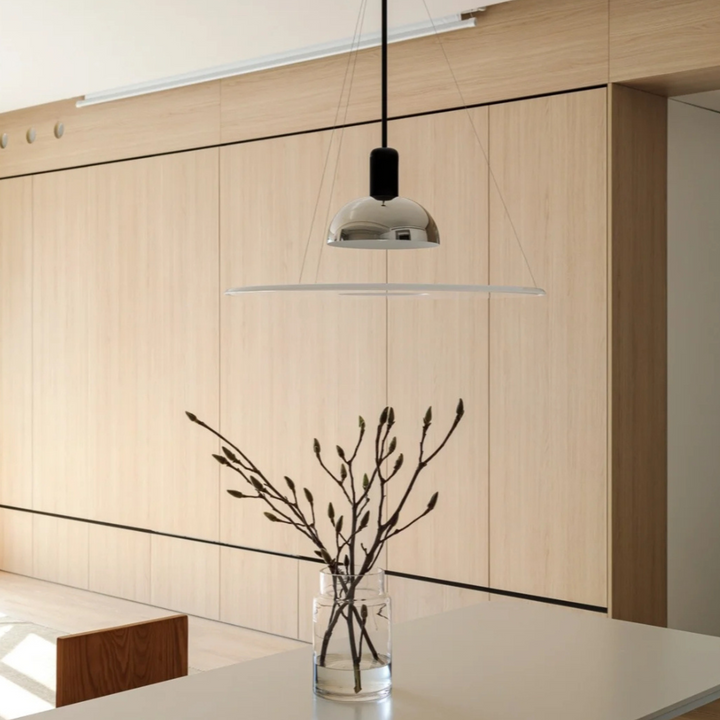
{"x": 385, "y": 221}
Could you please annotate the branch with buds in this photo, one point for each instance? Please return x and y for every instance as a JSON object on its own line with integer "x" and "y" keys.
{"x": 367, "y": 511}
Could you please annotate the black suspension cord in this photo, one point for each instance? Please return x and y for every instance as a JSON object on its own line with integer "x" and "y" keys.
{"x": 384, "y": 73}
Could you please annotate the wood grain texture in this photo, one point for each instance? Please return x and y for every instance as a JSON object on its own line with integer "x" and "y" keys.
{"x": 708, "y": 712}
{"x": 126, "y": 339}
{"x": 517, "y": 49}
{"x": 294, "y": 368}
{"x": 119, "y": 563}
{"x": 412, "y": 599}
{"x": 638, "y": 287}
{"x": 662, "y": 38}
{"x": 548, "y": 356}
{"x": 16, "y": 342}
{"x": 185, "y": 576}
{"x": 559, "y": 608}
{"x": 60, "y": 550}
{"x": 308, "y": 588}
{"x": 438, "y": 349}
{"x": 103, "y": 662}
{"x": 157, "y": 123}
{"x": 212, "y": 644}
{"x": 16, "y": 541}
{"x": 259, "y": 591}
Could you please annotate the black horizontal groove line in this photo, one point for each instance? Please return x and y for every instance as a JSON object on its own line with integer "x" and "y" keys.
{"x": 392, "y": 573}
{"x": 301, "y": 132}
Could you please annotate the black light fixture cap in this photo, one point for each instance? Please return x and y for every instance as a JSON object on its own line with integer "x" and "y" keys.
{"x": 384, "y": 173}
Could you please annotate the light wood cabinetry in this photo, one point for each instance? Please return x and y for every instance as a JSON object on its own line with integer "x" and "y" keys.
{"x": 119, "y": 563}
{"x": 667, "y": 47}
{"x": 150, "y": 124}
{"x": 438, "y": 348}
{"x": 125, "y": 333}
{"x": 412, "y": 599}
{"x": 16, "y": 342}
{"x": 548, "y": 356}
{"x": 259, "y": 591}
{"x": 122, "y": 327}
{"x": 294, "y": 368}
{"x": 516, "y": 50}
{"x": 16, "y": 542}
{"x": 60, "y": 551}
{"x": 185, "y": 576}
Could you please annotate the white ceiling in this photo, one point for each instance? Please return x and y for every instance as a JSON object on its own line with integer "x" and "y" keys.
{"x": 51, "y": 50}
{"x": 709, "y": 100}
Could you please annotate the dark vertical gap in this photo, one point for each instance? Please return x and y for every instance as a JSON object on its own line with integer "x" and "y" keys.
{"x": 219, "y": 367}
{"x": 32, "y": 370}
{"x": 489, "y": 354}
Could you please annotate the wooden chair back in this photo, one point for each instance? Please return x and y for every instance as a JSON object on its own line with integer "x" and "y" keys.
{"x": 93, "y": 664}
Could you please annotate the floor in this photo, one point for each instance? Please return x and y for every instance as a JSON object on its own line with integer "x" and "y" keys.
{"x": 33, "y": 613}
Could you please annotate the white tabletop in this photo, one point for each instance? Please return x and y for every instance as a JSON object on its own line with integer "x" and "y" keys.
{"x": 493, "y": 661}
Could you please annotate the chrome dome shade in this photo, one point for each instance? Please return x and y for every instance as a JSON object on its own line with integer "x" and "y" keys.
{"x": 397, "y": 224}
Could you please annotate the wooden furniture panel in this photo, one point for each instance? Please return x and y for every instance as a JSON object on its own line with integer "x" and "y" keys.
{"x": 708, "y": 712}
{"x": 60, "y": 551}
{"x": 259, "y": 591}
{"x": 562, "y": 608}
{"x": 517, "y": 49}
{"x": 16, "y": 542}
{"x": 119, "y": 563}
{"x": 412, "y": 599}
{"x": 294, "y": 368}
{"x": 665, "y": 46}
{"x": 638, "y": 400}
{"x": 308, "y": 588}
{"x": 126, "y": 339}
{"x": 150, "y": 124}
{"x": 185, "y": 576}
{"x": 438, "y": 349}
{"x": 103, "y": 662}
{"x": 548, "y": 356}
{"x": 16, "y": 342}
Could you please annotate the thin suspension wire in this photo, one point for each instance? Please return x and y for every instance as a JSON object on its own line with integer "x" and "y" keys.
{"x": 477, "y": 137}
{"x": 355, "y": 51}
{"x": 356, "y": 39}
{"x": 384, "y": 73}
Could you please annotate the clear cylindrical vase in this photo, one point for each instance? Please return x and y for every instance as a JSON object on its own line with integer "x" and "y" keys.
{"x": 352, "y": 637}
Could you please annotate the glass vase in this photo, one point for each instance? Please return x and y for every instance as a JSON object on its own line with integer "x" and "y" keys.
{"x": 352, "y": 637}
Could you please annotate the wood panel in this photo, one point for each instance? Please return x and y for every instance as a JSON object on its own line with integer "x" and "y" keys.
{"x": 185, "y": 576}
{"x": 212, "y": 644}
{"x": 517, "y": 49}
{"x": 308, "y": 588}
{"x": 548, "y": 356}
{"x": 259, "y": 591}
{"x": 295, "y": 368}
{"x": 60, "y": 551}
{"x": 438, "y": 349}
{"x": 708, "y": 712}
{"x": 16, "y": 542}
{"x": 639, "y": 356}
{"x": 559, "y": 608}
{"x": 412, "y": 599}
{"x": 161, "y": 122}
{"x": 119, "y": 563}
{"x": 103, "y": 662}
{"x": 126, "y": 340}
{"x": 665, "y": 46}
{"x": 16, "y": 342}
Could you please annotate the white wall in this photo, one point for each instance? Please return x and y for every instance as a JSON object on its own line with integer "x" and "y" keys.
{"x": 694, "y": 368}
